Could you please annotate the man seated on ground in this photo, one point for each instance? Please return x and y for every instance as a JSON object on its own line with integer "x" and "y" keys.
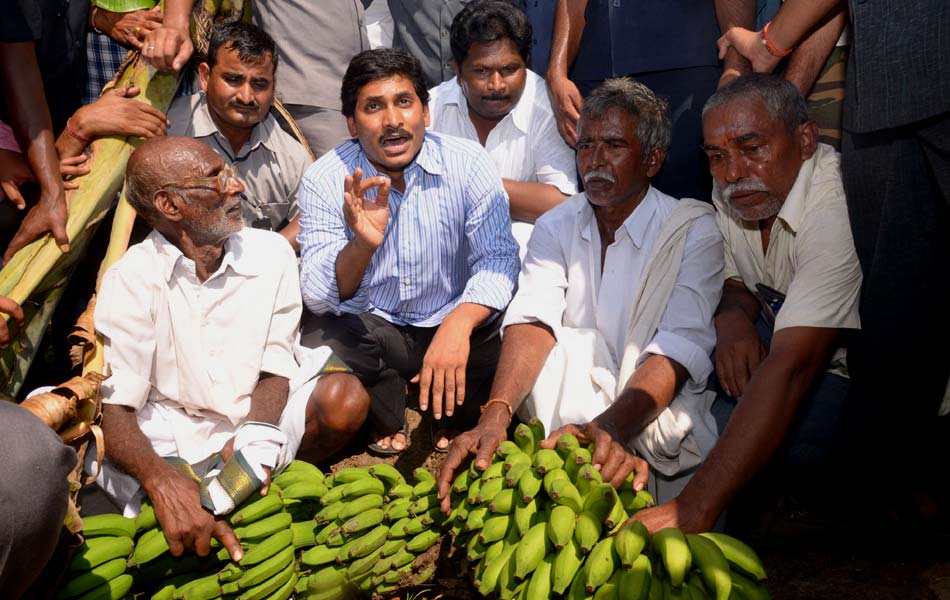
{"x": 610, "y": 333}
{"x": 232, "y": 115}
{"x": 792, "y": 283}
{"x": 199, "y": 323}
{"x": 496, "y": 100}
{"x": 407, "y": 258}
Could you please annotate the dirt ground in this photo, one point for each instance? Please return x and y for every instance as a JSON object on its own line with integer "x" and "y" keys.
{"x": 808, "y": 555}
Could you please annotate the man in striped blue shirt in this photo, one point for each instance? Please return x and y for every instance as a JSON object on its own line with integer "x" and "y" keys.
{"x": 407, "y": 257}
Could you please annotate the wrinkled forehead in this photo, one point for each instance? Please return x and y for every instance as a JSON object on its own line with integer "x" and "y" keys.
{"x": 184, "y": 158}
{"x": 742, "y": 115}
{"x": 613, "y": 123}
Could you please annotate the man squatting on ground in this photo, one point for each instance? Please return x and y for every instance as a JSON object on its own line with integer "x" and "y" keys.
{"x": 407, "y": 257}
{"x": 782, "y": 212}
{"x": 199, "y": 323}
{"x": 610, "y": 333}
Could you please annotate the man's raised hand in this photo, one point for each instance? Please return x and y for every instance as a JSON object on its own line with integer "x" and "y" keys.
{"x": 367, "y": 218}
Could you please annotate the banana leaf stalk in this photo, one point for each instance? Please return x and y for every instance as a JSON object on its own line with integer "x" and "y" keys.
{"x": 42, "y": 261}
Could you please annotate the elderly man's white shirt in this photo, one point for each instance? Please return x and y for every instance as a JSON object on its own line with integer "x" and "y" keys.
{"x": 191, "y": 352}
{"x": 525, "y": 145}
{"x": 562, "y": 284}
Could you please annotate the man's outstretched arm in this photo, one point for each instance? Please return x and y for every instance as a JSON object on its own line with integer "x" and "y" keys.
{"x": 523, "y": 352}
{"x": 755, "y": 429}
{"x": 30, "y": 120}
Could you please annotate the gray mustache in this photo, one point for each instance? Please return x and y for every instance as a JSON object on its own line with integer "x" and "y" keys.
{"x": 743, "y": 186}
{"x": 595, "y": 174}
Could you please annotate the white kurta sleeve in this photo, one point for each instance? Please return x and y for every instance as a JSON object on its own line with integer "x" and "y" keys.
{"x": 125, "y": 318}
{"x": 686, "y": 333}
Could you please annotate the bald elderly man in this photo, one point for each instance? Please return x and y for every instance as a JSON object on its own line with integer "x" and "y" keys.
{"x": 200, "y": 326}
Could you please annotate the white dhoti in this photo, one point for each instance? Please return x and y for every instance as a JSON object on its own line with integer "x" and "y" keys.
{"x": 172, "y": 433}
{"x": 580, "y": 378}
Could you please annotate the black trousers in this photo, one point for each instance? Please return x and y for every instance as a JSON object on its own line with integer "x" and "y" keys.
{"x": 385, "y": 356}
{"x": 898, "y": 190}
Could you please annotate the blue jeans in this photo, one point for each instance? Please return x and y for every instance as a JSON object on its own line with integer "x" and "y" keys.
{"x": 810, "y": 436}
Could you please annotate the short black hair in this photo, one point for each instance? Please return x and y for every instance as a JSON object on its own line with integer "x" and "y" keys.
{"x": 382, "y": 63}
{"x": 484, "y": 21}
{"x": 250, "y": 41}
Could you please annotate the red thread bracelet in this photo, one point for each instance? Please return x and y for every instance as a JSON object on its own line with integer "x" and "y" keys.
{"x": 772, "y": 48}
{"x": 75, "y": 134}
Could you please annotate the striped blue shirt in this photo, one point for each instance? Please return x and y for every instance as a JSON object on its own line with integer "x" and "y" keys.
{"x": 448, "y": 239}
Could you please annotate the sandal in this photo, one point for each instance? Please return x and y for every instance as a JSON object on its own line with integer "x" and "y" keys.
{"x": 437, "y": 430}
{"x": 377, "y": 448}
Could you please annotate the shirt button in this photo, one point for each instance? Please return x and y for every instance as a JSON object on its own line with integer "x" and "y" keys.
{"x": 616, "y": 3}
{"x": 445, "y": 33}
{"x": 406, "y": 281}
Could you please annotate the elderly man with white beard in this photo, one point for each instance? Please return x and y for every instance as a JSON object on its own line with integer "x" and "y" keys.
{"x": 610, "y": 334}
{"x": 791, "y": 293}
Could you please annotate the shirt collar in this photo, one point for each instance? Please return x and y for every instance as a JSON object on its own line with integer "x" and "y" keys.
{"x": 635, "y": 224}
{"x": 204, "y": 126}
{"x": 241, "y": 262}
{"x": 793, "y": 209}
{"x": 520, "y": 115}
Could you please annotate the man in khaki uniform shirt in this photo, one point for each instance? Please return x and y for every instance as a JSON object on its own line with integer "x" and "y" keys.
{"x": 231, "y": 115}
{"x": 792, "y": 286}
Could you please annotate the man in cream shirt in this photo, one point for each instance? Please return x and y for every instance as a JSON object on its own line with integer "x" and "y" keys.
{"x": 791, "y": 292}
{"x": 496, "y": 100}
{"x": 610, "y": 333}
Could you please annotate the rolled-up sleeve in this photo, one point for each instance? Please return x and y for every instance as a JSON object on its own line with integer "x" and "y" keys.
{"x": 493, "y": 256}
{"x": 686, "y": 333}
{"x": 123, "y": 316}
{"x": 542, "y": 285}
{"x": 323, "y": 234}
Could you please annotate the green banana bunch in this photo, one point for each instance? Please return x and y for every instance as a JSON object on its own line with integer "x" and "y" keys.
{"x": 713, "y": 567}
{"x": 671, "y": 545}
{"x": 95, "y": 551}
{"x": 84, "y": 581}
{"x": 108, "y": 525}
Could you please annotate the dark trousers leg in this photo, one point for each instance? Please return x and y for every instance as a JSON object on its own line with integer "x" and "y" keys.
{"x": 811, "y": 434}
{"x": 685, "y": 172}
{"x": 898, "y": 185}
{"x": 375, "y": 349}
{"x": 385, "y": 356}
